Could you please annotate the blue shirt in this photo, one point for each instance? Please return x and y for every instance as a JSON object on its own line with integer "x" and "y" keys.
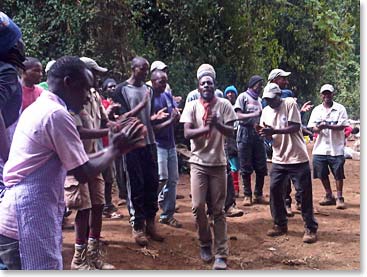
{"x": 165, "y": 136}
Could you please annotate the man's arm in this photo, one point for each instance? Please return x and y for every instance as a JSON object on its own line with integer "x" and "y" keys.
{"x": 268, "y": 131}
{"x": 241, "y": 115}
{"x": 174, "y": 119}
{"x": 4, "y": 145}
{"x": 190, "y": 132}
{"x": 86, "y": 133}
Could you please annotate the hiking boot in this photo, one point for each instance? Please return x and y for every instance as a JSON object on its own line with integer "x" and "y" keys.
{"x": 298, "y": 206}
{"x": 288, "y": 210}
{"x": 328, "y": 201}
{"x": 260, "y": 200}
{"x": 247, "y": 201}
{"x": 96, "y": 253}
{"x": 140, "y": 237}
{"x": 277, "y": 230}
{"x": 206, "y": 254}
{"x": 340, "y": 203}
{"x": 233, "y": 211}
{"x": 309, "y": 236}
{"x": 80, "y": 259}
{"x": 220, "y": 264}
{"x": 151, "y": 230}
{"x": 171, "y": 222}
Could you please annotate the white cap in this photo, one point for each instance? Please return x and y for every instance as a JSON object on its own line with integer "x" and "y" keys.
{"x": 157, "y": 65}
{"x": 205, "y": 69}
{"x": 271, "y": 90}
{"x": 48, "y": 65}
{"x": 327, "y": 87}
{"x": 276, "y": 73}
{"x": 92, "y": 64}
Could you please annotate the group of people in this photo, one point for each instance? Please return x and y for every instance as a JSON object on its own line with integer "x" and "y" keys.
{"x": 65, "y": 140}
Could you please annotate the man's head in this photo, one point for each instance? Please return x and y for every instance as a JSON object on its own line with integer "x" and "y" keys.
{"x": 327, "y": 94}
{"x": 139, "y": 68}
{"x": 32, "y": 73}
{"x": 71, "y": 80}
{"x": 108, "y": 87}
{"x": 256, "y": 83}
{"x": 231, "y": 94}
{"x": 158, "y": 65}
{"x": 272, "y": 94}
{"x": 279, "y": 77}
{"x": 205, "y": 69}
{"x": 159, "y": 81}
{"x": 206, "y": 87}
{"x": 94, "y": 68}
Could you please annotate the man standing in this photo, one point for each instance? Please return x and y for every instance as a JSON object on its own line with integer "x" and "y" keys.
{"x": 141, "y": 165}
{"x": 166, "y": 148}
{"x": 329, "y": 120}
{"x": 206, "y": 122}
{"x": 281, "y": 121}
{"x": 251, "y": 148}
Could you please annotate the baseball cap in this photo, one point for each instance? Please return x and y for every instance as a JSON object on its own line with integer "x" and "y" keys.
{"x": 276, "y": 73}
{"x": 92, "y": 64}
{"x": 205, "y": 69}
{"x": 48, "y": 65}
{"x": 271, "y": 90}
{"x": 327, "y": 87}
{"x": 10, "y": 33}
{"x": 157, "y": 65}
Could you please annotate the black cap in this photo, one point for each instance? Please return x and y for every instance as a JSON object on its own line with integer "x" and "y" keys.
{"x": 254, "y": 80}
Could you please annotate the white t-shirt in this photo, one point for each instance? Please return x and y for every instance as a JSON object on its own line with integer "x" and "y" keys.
{"x": 287, "y": 148}
{"x": 329, "y": 142}
{"x": 208, "y": 151}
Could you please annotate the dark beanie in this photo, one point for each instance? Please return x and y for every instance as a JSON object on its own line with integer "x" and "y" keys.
{"x": 254, "y": 79}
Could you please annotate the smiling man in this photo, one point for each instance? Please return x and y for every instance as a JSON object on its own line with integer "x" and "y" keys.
{"x": 207, "y": 121}
{"x": 329, "y": 120}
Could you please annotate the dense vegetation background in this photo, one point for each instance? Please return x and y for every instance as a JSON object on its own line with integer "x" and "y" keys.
{"x": 317, "y": 40}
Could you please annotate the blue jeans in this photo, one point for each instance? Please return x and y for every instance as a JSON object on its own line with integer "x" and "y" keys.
{"x": 168, "y": 173}
{"x": 9, "y": 253}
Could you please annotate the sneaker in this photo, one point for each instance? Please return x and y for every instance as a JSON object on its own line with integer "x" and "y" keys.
{"x": 298, "y": 206}
{"x": 260, "y": 200}
{"x": 96, "y": 255}
{"x": 277, "y": 230}
{"x": 328, "y": 201}
{"x": 340, "y": 203}
{"x": 309, "y": 236}
{"x": 206, "y": 254}
{"x": 288, "y": 210}
{"x": 233, "y": 211}
{"x": 140, "y": 237}
{"x": 220, "y": 264}
{"x": 247, "y": 201}
{"x": 171, "y": 222}
{"x": 80, "y": 259}
{"x": 151, "y": 230}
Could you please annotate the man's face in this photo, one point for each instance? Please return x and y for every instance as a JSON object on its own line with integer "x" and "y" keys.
{"x": 273, "y": 102}
{"x": 77, "y": 90}
{"x": 140, "y": 71}
{"x": 231, "y": 96}
{"x": 34, "y": 74}
{"x": 327, "y": 97}
{"x": 206, "y": 88}
{"x": 281, "y": 81}
{"x": 258, "y": 87}
{"x": 160, "y": 82}
{"x": 111, "y": 87}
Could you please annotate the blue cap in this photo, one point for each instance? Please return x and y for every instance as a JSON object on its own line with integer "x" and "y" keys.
{"x": 10, "y": 33}
{"x": 230, "y": 88}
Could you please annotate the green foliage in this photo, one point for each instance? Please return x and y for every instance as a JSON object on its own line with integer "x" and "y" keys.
{"x": 317, "y": 40}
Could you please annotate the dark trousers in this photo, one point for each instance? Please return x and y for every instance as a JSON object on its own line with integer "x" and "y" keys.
{"x": 9, "y": 253}
{"x": 231, "y": 196}
{"x": 301, "y": 173}
{"x": 142, "y": 185}
{"x": 120, "y": 178}
{"x": 288, "y": 191}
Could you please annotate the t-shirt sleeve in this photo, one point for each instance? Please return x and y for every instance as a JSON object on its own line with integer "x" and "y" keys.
{"x": 118, "y": 98}
{"x": 312, "y": 121}
{"x": 343, "y": 117}
{"x": 229, "y": 114}
{"x": 186, "y": 116}
{"x": 240, "y": 103}
{"x": 65, "y": 141}
{"x": 293, "y": 111}
{"x": 77, "y": 119}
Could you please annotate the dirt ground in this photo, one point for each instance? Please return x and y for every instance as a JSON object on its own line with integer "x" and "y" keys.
{"x": 337, "y": 248}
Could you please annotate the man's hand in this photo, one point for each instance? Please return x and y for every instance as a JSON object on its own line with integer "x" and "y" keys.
{"x": 112, "y": 110}
{"x": 306, "y": 106}
{"x": 267, "y": 131}
{"x": 323, "y": 125}
{"x": 212, "y": 120}
{"x": 161, "y": 114}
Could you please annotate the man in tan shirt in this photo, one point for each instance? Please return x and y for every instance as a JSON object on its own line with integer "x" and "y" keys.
{"x": 281, "y": 121}
{"x": 207, "y": 121}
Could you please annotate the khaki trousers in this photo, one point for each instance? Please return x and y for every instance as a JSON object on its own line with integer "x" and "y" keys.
{"x": 209, "y": 186}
